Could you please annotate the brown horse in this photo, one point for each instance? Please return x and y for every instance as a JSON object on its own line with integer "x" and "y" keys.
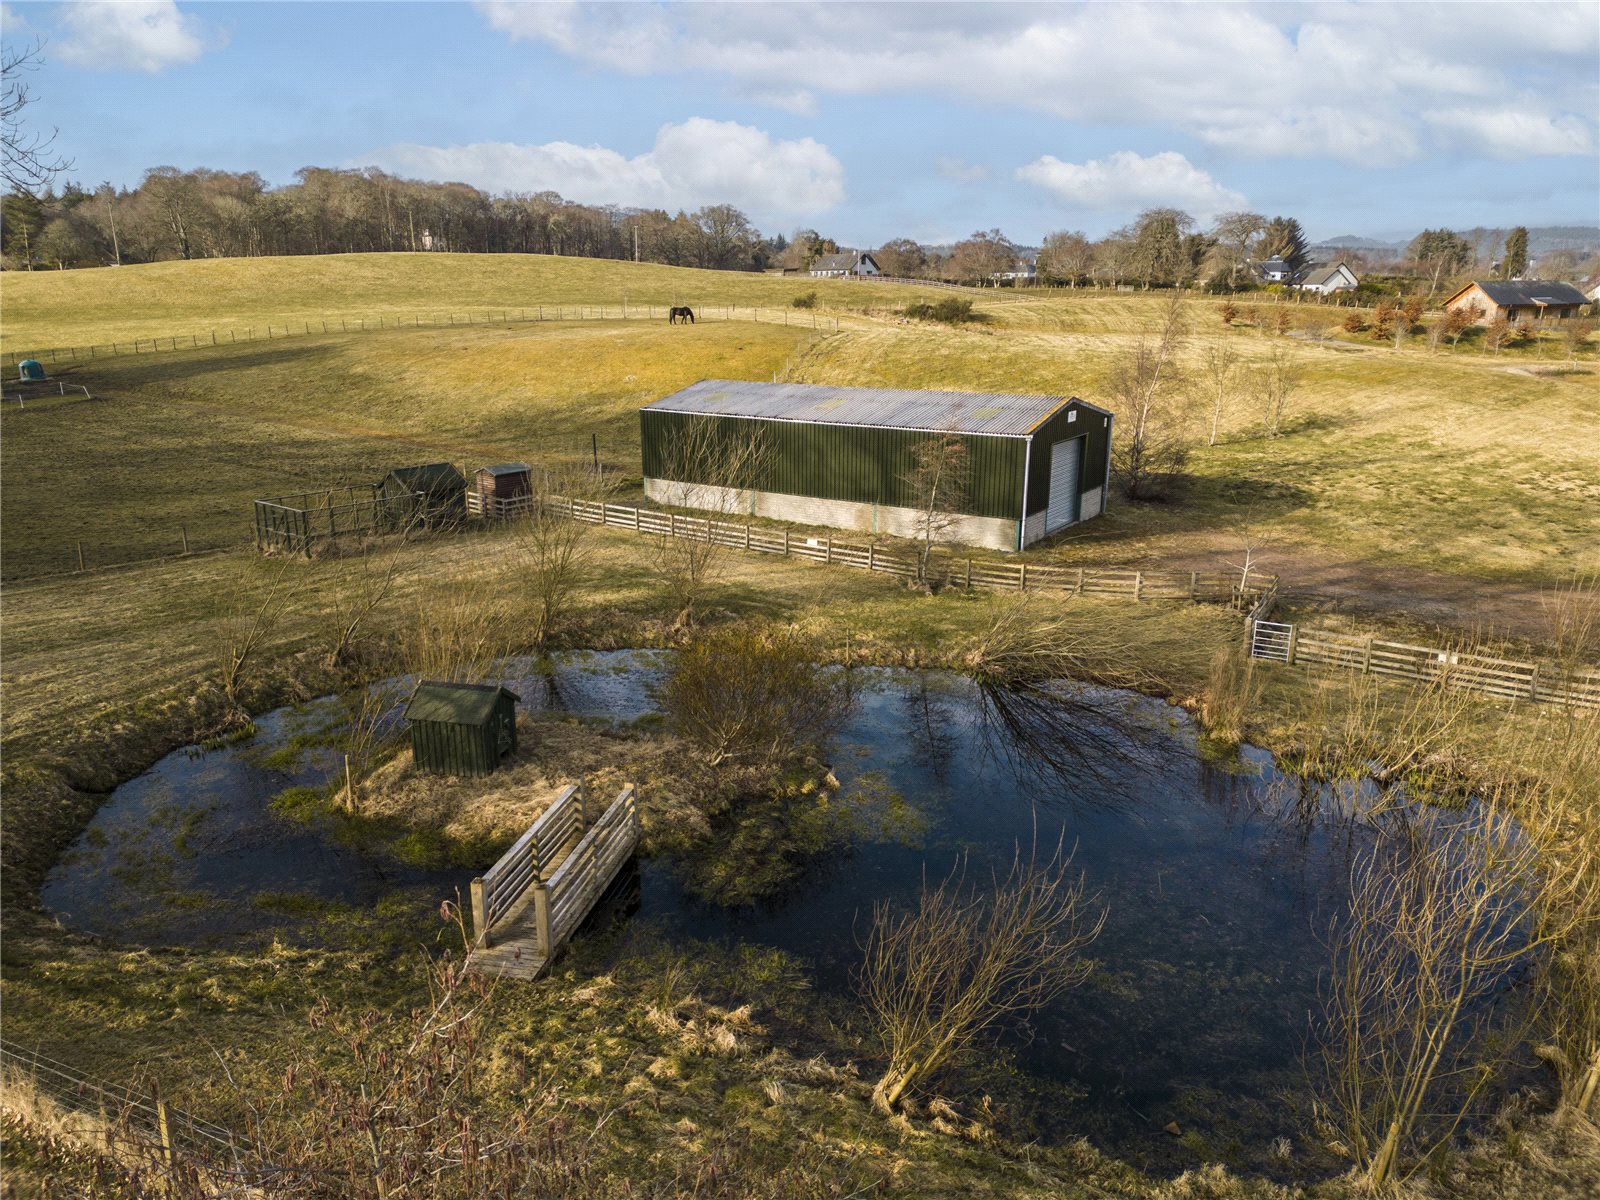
{"x": 680, "y": 312}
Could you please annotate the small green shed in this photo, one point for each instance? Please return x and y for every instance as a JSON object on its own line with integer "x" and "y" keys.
{"x": 462, "y": 728}
{"x": 442, "y": 487}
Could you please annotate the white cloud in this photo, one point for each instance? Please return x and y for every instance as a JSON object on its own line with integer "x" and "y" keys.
{"x": 11, "y": 21}
{"x": 1513, "y": 133}
{"x": 131, "y": 35}
{"x": 961, "y": 172}
{"x": 692, "y": 164}
{"x": 1126, "y": 181}
{"x": 1350, "y": 82}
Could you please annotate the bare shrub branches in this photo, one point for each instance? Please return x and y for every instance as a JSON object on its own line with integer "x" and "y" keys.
{"x": 937, "y": 480}
{"x": 556, "y": 550}
{"x": 1438, "y": 917}
{"x": 1152, "y": 415}
{"x": 716, "y": 469}
{"x": 457, "y": 635}
{"x": 937, "y": 977}
{"x": 756, "y": 696}
{"x": 251, "y": 620}
{"x": 1019, "y": 648}
{"x": 1275, "y": 381}
{"x": 366, "y": 581}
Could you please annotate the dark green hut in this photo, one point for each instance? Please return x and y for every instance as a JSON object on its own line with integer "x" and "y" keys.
{"x": 462, "y": 728}
{"x": 442, "y": 490}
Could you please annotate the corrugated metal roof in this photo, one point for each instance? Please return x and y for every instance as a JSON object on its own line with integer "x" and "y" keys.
{"x": 506, "y": 469}
{"x": 455, "y": 703}
{"x": 998, "y": 413}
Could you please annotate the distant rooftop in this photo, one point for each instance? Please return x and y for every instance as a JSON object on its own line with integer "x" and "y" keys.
{"x": 1003, "y": 414}
{"x": 1506, "y": 292}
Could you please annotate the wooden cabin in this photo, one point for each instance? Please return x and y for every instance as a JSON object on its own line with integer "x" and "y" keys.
{"x": 1515, "y": 299}
{"x": 500, "y": 491}
{"x": 462, "y": 728}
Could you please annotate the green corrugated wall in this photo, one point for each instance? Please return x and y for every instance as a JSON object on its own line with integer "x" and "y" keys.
{"x": 863, "y": 464}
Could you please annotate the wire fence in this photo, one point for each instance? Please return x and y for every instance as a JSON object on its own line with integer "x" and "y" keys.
{"x": 320, "y": 326}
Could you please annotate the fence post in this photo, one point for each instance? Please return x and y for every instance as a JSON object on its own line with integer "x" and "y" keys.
{"x": 636, "y": 519}
{"x": 1533, "y": 684}
{"x": 541, "y": 918}
{"x": 80, "y": 556}
{"x": 1294, "y": 639}
{"x": 184, "y": 531}
{"x": 969, "y": 572}
{"x": 1194, "y": 586}
{"x": 828, "y": 549}
{"x": 164, "y": 1126}
{"x": 1138, "y": 586}
{"x": 1022, "y": 578}
{"x": 747, "y": 535}
{"x": 1366, "y": 658}
{"x": 672, "y": 525}
{"x": 480, "y": 912}
{"x": 786, "y": 541}
{"x": 872, "y": 556}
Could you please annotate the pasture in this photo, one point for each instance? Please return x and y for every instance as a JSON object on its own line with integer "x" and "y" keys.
{"x": 1466, "y": 478}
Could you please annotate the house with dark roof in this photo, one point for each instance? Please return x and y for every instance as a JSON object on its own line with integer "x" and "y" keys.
{"x": 1515, "y": 299}
{"x": 1322, "y": 278}
{"x": 1274, "y": 270}
{"x": 847, "y": 457}
{"x": 850, "y": 262}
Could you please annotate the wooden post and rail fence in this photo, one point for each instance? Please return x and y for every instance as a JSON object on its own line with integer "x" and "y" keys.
{"x": 526, "y": 906}
{"x": 309, "y": 326}
{"x": 947, "y": 569}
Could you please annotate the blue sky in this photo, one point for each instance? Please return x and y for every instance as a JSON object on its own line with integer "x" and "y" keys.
{"x": 866, "y": 121}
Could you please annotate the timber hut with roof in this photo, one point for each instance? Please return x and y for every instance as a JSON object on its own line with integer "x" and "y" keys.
{"x": 462, "y": 728}
{"x": 500, "y": 491}
{"x": 842, "y": 456}
{"x": 440, "y": 491}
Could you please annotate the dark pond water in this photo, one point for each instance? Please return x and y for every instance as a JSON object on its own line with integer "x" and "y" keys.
{"x": 1216, "y": 880}
{"x": 192, "y": 852}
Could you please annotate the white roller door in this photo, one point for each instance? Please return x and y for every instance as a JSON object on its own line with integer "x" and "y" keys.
{"x": 1062, "y": 507}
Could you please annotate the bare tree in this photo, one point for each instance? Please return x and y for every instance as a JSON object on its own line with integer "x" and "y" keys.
{"x": 1220, "y": 361}
{"x": 1152, "y": 417}
{"x": 366, "y": 583}
{"x": 1439, "y": 915}
{"x": 556, "y": 549}
{"x": 716, "y": 468}
{"x": 457, "y": 635}
{"x": 252, "y": 618}
{"x": 937, "y": 481}
{"x": 1275, "y": 381}
{"x": 29, "y": 162}
{"x": 941, "y": 975}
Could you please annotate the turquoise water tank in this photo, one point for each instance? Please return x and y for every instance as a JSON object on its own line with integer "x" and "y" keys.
{"x": 30, "y": 368}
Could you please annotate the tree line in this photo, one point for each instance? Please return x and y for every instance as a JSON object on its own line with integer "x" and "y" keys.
{"x": 176, "y": 214}
{"x": 203, "y": 213}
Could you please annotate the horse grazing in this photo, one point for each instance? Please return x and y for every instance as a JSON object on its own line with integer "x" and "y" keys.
{"x": 680, "y": 312}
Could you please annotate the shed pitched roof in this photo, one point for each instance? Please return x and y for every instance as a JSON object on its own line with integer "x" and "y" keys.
{"x": 1524, "y": 292}
{"x": 1000, "y": 413}
{"x": 430, "y": 477}
{"x": 455, "y": 703}
{"x": 506, "y": 469}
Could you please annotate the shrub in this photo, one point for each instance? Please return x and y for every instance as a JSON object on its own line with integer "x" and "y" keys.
{"x": 756, "y": 695}
{"x": 1354, "y": 322}
{"x": 805, "y": 300}
{"x": 1230, "y": 312}
{"x": 952, "y": 310}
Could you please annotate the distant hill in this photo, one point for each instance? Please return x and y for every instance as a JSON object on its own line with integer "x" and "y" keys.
{"x": 1542, "y": 239}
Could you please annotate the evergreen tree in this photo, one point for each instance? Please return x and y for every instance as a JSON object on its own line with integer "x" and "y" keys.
{"x": 1284, "y": 237}
{"x": 1515, "y": 261}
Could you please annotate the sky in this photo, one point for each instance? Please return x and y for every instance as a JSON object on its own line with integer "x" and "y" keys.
{"x": 864, "y": 121}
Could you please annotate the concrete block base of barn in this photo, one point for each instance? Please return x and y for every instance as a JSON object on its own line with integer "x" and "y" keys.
{"x": 841, "y": 457}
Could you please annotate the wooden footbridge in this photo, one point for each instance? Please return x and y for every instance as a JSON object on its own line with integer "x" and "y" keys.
{"x": 531, "y": 901}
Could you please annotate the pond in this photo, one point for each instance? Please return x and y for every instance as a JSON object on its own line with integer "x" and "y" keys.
{"x": 1216, "y": 880}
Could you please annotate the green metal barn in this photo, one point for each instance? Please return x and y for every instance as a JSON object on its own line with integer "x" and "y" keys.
{"x": 462, "y": 728}
{"x": 442, "y": 490}
{"x": 840, "y": 456}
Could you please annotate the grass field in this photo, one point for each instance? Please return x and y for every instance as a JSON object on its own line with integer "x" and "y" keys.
{"x": 1466, "y": 479}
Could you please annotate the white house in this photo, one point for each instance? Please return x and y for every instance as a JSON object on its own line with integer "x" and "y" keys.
{"x": 851, "y": 262}
{"x": 1327, "y": 277}
{"x": 1274, "y": 270}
